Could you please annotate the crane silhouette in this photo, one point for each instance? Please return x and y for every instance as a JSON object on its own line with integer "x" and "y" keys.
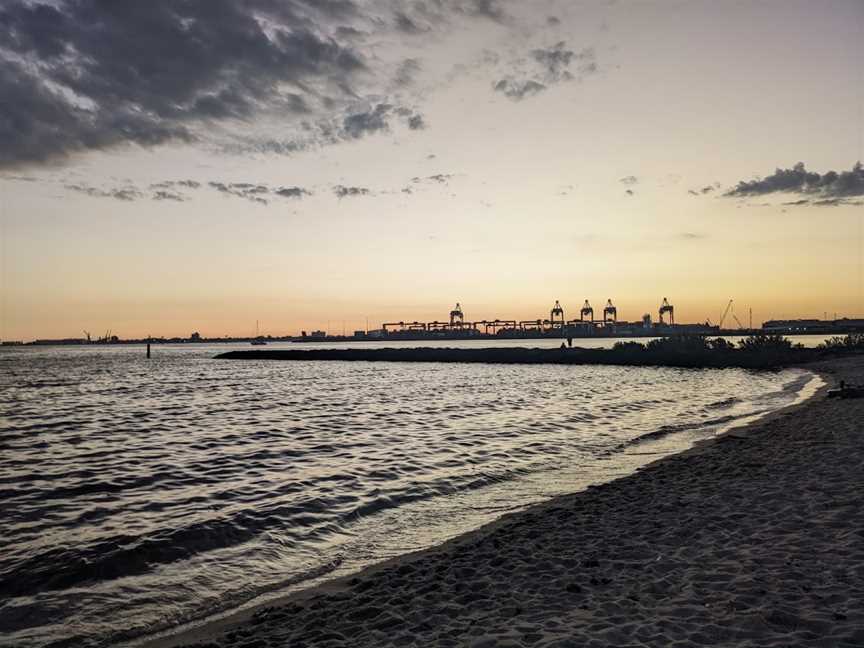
{"x": 666, "y": 307}
{"x": 457, "y": 318}
{"x": 556, "y": 315}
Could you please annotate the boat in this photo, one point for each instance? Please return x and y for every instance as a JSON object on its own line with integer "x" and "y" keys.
{"x": 259, "y": 340}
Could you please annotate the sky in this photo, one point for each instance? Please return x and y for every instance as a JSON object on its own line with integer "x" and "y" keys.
{"x": 200, "y": 165}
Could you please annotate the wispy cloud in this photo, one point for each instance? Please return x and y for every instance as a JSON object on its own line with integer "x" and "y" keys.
{"x": 543, "y": 68}
{"x": 126, "y": 194}
{"x": 292, "y": 192}
{"x": 168, "y": 195}
{"x": 826, "y": 189}
{"x": 342, "y": 191}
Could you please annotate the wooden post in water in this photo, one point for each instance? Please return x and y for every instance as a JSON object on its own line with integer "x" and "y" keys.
{"x": 148, "y": 349}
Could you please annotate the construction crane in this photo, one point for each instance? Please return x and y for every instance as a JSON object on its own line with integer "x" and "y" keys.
{"x": 586, "y": 310}
{"x": 725, "y": 313}
{"x": 740, "y": 325}
{"x": 87, "y": 335}
{"x": 556, "y": 315}
{"x": 666, "y": 307}
{"x": 610, "y": 310}
{"x": 457, "y": 318}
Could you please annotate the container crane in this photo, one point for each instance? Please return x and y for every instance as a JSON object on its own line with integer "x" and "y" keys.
{"x": 457, "y": 318}
{"x": 666, "y": 307}
{"x": 586, "y": 310}
{"x": 556, "y": 315}
{"x": 610, "y": 311}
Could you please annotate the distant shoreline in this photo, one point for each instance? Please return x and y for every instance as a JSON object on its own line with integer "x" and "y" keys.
{"x": 393, "y": 337}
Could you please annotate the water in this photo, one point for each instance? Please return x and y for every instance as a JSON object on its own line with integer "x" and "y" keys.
{"x": 140, "y": 495}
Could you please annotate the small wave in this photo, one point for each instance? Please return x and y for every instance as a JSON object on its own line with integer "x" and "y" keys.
{"x": 65, "y": 567}
{"x": 726, "y": 402}
{"x": 666, "y": 430}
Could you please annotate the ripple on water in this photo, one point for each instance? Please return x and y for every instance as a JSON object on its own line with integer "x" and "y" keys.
{"x": 139, "y": 494}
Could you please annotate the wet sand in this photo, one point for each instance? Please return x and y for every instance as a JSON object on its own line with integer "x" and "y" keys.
{"x": 755, "y": 538}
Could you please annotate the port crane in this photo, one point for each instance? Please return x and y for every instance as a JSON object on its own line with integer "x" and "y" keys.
{"x": 556, "y": 316}
{"x": 666, "y": 307}
{"x": 610, "y": 311}
{"x": 725, "y": 313}
{"x": 586, "y": 310}
{"x": 729, "y": 310}
{"x": 457, "y": 318}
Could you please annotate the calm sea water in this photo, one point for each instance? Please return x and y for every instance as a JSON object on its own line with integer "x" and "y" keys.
{"x": 141, "y": 495}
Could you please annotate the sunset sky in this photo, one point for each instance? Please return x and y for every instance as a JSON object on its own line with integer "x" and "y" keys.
{"x": 169, "y": 167}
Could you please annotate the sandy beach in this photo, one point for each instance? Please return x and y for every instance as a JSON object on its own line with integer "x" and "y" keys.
{"x": 755, "y": 538}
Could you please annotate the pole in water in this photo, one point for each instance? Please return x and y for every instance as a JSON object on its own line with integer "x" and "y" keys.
{"x": 148, "y": 349}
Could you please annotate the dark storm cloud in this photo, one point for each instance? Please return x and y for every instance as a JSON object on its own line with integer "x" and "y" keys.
{"x": 548, "y": 66}
{"x": 342, "y": 191}
{"x": 87, "y": 75}
{"x": 100, "y": 74}
{"x": 826, "y": 186}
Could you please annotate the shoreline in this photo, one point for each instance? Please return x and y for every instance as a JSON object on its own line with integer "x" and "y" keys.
{"x": 276, "y": 619}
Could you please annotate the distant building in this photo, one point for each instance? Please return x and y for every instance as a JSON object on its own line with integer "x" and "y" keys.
{"x": 838, "y": 326}
{"x": 195, "y": 337}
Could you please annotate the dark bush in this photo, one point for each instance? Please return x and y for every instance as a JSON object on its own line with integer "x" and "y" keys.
{"x": 679, "y": 344}
{"x": 851, "y": 342}
{"x": 628, "y": 346}
{"x": 760, "y": 342}
{"x": 720, "y": 344}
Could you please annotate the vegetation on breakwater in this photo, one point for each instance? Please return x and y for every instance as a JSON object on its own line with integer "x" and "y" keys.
{"x": 754, "y": 352}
